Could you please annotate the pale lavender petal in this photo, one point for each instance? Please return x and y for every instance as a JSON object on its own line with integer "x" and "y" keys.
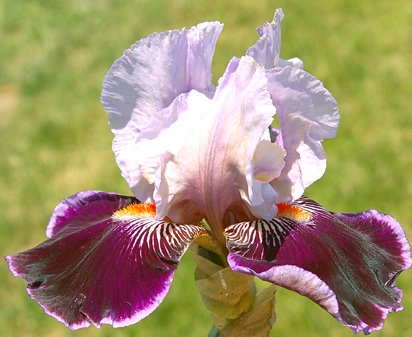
{"x": 347, "y": 263}
{"x": 101, "y": 266}
{"x": 160, "y": 137}
{"x": 269, "y": 160}
{"x": 293, "y": 62}
{"x": 146, "y": 79}
{"x": 307, "y": 114}
{"x": 266, "y": 50}
{"x": 212, "y": 171}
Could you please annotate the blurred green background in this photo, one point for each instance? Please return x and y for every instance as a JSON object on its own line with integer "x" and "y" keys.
{"x": 55, "y": 139}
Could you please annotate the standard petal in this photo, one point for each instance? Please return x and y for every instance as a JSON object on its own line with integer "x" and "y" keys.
{"x": 212, "y": 170}
{"x": 107, "y": 261}
{"x": 139, "y": 84}
{"x": 307, "y": 114}
{"x": 266, "y": 50}
{"x": 347, "y": 263}
{"x": 161, "y": 136}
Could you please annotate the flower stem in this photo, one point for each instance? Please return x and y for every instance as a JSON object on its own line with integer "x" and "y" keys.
{"x": 231, "y": 298}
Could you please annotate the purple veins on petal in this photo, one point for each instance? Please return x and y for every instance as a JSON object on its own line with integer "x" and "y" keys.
{"x": 347, "y": 263}
{"x": 101, "y": 265}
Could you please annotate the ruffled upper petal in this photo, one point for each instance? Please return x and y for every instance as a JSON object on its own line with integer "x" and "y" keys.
{"x": 146, "y": 79}
{"x": 307, "y": 114}
{"x": 347, "y": 263}
{"x": 209, "y": 171}
{"x": 107, "y": 260}
{"x": 266, "y": 50}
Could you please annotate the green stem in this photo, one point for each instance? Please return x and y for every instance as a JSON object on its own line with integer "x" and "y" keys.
{"x": 231, "y": 298}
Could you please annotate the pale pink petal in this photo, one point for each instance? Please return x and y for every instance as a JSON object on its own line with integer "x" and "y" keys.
{"x": 210, "y": 169}
{"x": 266, "y": 50}
{"x": 293, "y": 62}
{"x": 160, "y": 136}
{"x": 269, "y": 160}
{"x": 146, "y": 79}
{"x": 307, "y": 114}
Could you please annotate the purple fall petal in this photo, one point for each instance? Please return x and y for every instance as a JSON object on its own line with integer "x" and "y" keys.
{"x": 347, "y": 263}
{"x": 83, "y": 209}
{"x": 102, "y": 268}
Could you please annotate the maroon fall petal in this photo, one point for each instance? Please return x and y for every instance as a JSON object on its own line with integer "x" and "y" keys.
{"x": 347, "y": 263}
{"x": 99, "y": 266}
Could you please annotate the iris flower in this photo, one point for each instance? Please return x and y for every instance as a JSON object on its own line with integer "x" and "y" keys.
{"x": 206, "y": 162}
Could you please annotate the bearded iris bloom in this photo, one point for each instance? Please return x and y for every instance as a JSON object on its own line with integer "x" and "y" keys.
{"x": 204, "y": 162}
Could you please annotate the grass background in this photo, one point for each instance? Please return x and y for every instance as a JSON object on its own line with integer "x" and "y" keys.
{"x": 55, "y": 140}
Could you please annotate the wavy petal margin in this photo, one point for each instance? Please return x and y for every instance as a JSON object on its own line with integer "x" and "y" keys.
{"x": 147, "y": 78}
{"x": 307, "y": 114}
{"x": 212, "y": 171}
{"x": 347, "y": 263}
{"x": 266, "y": 50}
{"x": 107, "y": 260}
